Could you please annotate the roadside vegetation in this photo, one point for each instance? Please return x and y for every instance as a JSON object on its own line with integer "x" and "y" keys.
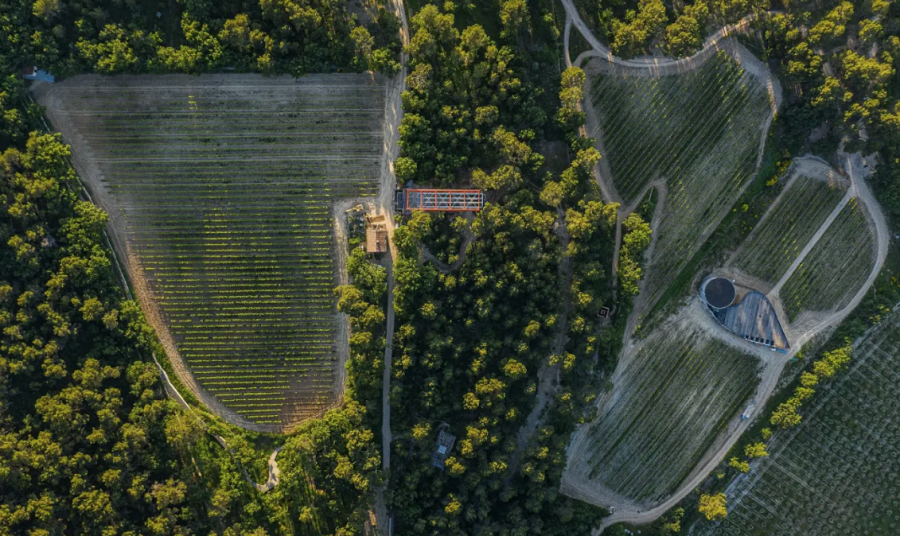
{"x": 857, "y": 491}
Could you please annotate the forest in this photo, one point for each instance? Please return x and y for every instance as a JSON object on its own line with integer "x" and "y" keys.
{"x": 502, "y": 351}
{"x": 89, "y": 442}
{"x": 506, "y": 351}
{"x": 69, "y": 37}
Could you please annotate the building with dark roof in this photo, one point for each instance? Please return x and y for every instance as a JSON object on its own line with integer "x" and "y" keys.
{"x": 442, "y": 447}
{"x": 750, "y": 316}
{"x": 718, "y": 292}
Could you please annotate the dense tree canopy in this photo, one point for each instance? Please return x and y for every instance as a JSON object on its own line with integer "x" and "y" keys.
{"x": 73, "y": 36}
{"x": 471, "y": 342}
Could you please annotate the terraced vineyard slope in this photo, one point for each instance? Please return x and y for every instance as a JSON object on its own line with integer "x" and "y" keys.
{"x": 789, "y": 226}
{"x": 699, "y": 131}
{"x": 220, "y": 191}
{"x": 671, "y": 401}
{"x": 837, "y": 472}
{"x": 835, "y": 268}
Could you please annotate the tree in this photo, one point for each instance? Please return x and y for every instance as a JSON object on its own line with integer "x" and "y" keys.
{"x": 236, "y": 33}
{"x": 570, "y": 115}
{"x": 112, "y": 54}
{"x": 683, "y": 37}
{"x": 739, "y": 464}
{"x": 785, "y": 415}
{"x": 513, "y": 14}
{"x": 714, "y": 506}
{"x": 755, "y": 450}
{"x": 633, "y": 36}
{"x": 635, "y": 239}
{"x": 363, "y": 44}
{"x": 45, "y": 9}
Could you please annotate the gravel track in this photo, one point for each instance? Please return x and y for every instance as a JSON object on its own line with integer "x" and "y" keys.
{"x": 625, "y": 509}
{"x": 774, "y": 363}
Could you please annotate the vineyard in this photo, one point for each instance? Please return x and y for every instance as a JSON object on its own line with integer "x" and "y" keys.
{"x": 222, "y": 189}
{"x": 780, "y": 238}
{"x": 835, "y": 268}
{"x": 837, "y": 472}
{"x": 699, "y": 130}
{"x": 671, "y": 401}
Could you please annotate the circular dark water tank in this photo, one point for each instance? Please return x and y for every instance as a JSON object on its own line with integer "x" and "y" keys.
{"x": 719, "y": 292}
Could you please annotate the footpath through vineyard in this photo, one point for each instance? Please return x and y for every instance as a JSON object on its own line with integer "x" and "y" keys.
{"x": 598, "y": 470}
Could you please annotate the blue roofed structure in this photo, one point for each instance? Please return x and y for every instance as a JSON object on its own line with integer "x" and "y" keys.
{"x": 751, "y": 316}
{"x": 33, "y": 73}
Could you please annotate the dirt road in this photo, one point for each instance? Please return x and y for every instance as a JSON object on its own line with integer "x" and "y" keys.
{"x": 393, "y": 114}
{"x": 772, "y": 371}
{"x": 630, "y": 512}
{"x": 656, "y": 65}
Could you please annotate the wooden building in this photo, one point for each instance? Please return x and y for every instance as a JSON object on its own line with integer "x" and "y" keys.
{"x": 376, "y": 235}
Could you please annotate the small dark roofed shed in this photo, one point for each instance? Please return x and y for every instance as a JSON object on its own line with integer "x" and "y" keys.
{"x": 719, "y": 292}
{"x": 442, "y": 448}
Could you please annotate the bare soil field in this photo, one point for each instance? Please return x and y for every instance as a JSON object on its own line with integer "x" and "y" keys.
{"x": 220, "y": 190}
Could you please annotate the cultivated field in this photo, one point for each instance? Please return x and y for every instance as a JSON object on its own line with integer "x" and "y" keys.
{"x": 220, "y": 190}
{"x": 837, "y": 472}
{"x": 835, "y": 268}
{"x": 699, "y": 131}
{"x": 785, "y": 231}
{"x": 673, "y": 398}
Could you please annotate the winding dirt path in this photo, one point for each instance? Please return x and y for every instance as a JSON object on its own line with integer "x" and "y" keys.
{"x": 774, "y": 364}
{"x": 548, "y": 375}
{"x": 656, "y": 65}
{"x": 468, "y": 238}
{"x": 772, "y": 372}
{"x": 653, "y": 67}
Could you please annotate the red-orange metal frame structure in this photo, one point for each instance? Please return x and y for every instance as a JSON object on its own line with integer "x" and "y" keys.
{"x": 433, "y": 200}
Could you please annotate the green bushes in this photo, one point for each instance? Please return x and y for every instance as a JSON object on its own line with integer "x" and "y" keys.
{"x": 73, "y": 385}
